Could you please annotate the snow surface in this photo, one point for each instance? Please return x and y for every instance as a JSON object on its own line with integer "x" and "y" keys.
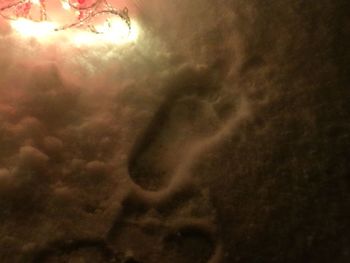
{"x": 221, "y": 135}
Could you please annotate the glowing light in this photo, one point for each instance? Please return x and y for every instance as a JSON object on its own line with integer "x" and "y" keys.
{"x": 30, "y": 23}
{"x": 36, "y": 2}
{"x": 29, "y": 28}
{"x": 65, "y": 5}
{"x": 116, "y": 32}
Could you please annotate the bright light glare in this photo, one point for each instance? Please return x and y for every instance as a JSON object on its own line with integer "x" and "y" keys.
{"x": 115, "y": 32}
{"x": 65, "y": 5}
{"x": 30, "y": 28}
{"x": 36, "y": 2}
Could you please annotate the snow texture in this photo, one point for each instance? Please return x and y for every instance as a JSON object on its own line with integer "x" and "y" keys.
{"x": 222, "y": 135}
